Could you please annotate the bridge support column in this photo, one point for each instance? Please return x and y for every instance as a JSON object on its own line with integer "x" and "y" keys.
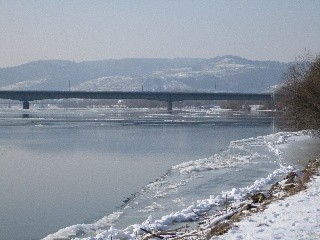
{"x": 25, "y": 105}
{"x": 169, "y": 106}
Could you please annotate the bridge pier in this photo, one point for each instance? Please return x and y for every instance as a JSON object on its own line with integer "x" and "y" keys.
{"x": 169, "y": 106}
{"x": 25, "y": 105}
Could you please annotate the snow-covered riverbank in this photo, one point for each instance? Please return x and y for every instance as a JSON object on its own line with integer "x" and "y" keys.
{"x": 295, "y": 217}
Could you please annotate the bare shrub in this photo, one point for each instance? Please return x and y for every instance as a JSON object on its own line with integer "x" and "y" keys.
{"x": 300, "y": 95}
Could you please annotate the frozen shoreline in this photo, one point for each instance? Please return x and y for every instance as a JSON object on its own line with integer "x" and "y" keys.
{"x": 288, "y": 216}
{"x": 195, "y": 211}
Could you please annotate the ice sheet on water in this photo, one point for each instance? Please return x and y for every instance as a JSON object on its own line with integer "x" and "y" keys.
{"x": 188, "y": 214}
{"x": 84, "y": 229}
{"x": 175, "y": 186}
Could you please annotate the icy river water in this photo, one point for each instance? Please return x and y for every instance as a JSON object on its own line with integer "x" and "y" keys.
{"x": 75, "y": 172}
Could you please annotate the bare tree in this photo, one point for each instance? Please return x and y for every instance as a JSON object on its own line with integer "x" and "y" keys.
{"x": 300, "y": 94}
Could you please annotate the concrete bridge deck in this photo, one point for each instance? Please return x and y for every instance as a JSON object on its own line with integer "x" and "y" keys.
{"x": 169, "y": 97}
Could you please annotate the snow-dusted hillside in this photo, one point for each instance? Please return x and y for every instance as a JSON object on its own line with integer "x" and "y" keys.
{"x": 225, "y": 73}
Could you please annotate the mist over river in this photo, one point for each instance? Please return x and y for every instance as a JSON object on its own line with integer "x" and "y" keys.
{"x": 103, "y": 167}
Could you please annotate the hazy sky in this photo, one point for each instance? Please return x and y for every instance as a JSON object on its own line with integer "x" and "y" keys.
{"x": 81, "y": 30}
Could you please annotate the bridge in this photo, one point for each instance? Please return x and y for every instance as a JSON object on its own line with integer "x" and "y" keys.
{"x": 26, "y": 96}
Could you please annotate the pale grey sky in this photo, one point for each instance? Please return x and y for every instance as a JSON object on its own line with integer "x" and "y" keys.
{"x": 80, "y": 30}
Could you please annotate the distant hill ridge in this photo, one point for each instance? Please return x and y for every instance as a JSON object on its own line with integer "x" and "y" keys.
{"x": 222, "y": 73}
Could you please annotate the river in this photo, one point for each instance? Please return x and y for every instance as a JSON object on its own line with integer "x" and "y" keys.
{"x": 61, "y": 167}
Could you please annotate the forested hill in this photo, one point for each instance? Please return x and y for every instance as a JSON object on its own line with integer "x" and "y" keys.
{"x": 224, "y": 73}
